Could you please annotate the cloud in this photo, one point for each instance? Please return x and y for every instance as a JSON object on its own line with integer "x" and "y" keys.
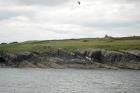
{"x": 5, "y": 15}
{"x": 22, "y": 20}
{"x": 36, "y": 2}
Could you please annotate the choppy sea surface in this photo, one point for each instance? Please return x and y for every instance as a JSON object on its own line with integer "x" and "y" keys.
{"x": 68, "y": 81}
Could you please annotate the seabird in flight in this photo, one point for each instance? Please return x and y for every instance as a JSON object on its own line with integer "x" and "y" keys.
{"x": 79, "y": 2}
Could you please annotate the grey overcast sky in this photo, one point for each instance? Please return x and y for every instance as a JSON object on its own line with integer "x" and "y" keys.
{"x": 22, "y": 20}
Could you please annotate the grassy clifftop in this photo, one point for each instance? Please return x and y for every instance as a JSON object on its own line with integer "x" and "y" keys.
{"x": 71, "y": 44}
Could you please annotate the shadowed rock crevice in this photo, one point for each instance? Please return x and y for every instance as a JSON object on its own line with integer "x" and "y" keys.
{"x": 2, "y": 60}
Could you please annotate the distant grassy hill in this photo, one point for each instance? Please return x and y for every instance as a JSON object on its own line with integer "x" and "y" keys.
{"x": 71, "y": 44}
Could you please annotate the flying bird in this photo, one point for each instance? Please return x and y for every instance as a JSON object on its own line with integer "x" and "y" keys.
{"x": 79, "y": 2}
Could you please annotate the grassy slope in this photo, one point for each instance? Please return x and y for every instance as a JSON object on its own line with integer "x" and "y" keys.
{"x": 71, "y": 44}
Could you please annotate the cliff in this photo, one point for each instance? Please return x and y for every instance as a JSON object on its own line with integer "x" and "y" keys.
{"x": 89, "y": 58}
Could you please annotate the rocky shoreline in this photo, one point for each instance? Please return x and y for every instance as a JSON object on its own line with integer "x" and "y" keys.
{"x": 89, "y": 58}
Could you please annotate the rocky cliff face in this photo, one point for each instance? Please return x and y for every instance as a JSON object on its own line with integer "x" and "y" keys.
{"x": 80, "y": 56}
{"x": 106, "y": 56}
{"x": 14, "y": 59}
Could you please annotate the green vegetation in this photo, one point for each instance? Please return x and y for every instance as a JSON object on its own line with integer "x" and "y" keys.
{"x": 71, "y": 44}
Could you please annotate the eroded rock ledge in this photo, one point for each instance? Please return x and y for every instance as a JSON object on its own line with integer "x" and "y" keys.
{"x": 81, "y": 58}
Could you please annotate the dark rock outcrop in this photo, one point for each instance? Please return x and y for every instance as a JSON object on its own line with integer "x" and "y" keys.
{"x": 62, "y": 56}
{"x": 105, "y": 56}
{"x": 14, "y": 59}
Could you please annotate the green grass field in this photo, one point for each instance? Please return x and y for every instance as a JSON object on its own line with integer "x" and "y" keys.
{"x": 72, "y": 44}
